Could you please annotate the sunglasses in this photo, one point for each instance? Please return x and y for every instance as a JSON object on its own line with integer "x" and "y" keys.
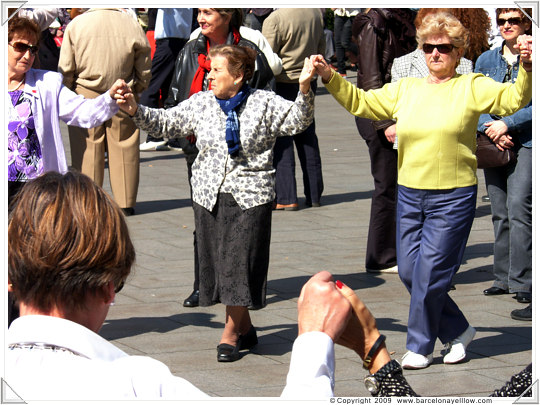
{"x": 442, "y": 48}
{"x": 21, "y": 47}
{"x": 511, "y": 21}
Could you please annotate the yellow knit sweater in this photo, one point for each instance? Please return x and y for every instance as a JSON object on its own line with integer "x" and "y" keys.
{"x": 436, "y": 123}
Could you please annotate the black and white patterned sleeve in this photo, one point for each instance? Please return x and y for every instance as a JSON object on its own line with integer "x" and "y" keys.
{"x": 174, "y": 122}
{"x": 290, "y": 118}
{"x": 392, "y": 383}
{"x": 518, "y": 384}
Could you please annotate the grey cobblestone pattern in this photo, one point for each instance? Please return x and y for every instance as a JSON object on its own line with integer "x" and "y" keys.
{"x": 149, "y": 319}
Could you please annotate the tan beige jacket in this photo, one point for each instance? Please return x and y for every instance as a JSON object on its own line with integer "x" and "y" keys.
{"x": 102, "y": 45}
{"x": 294, "y": 34}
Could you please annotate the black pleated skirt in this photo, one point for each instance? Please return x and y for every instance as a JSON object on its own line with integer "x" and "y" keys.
{"x": 234, "y": 252}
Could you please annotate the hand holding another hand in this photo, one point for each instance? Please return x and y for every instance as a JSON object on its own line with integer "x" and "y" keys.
{"x": 306, "y": 75}
{"x": 505, "y": 142}
{"x": 524, "y": 44}
{"x": 496, "y": 129}
{"x": 322, "y": 308}
{"x": 361, "y": 331}
{"x": 124, "y": 97}
{"x": 321, "y": 67}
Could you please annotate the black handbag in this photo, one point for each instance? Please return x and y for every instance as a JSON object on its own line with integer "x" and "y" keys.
{"x": 488, "y": 155}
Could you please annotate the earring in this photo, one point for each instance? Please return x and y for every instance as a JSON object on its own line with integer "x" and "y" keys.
{"x": 235, "y": 82}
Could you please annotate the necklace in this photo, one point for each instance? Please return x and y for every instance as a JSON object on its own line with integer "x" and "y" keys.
{"x": 19, "y": 85}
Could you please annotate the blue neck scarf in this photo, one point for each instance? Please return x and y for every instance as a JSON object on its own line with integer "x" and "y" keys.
{"x": 232, "y": 130}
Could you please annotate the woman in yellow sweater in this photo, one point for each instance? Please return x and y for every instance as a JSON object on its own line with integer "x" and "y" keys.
{"x": 437, "y": 185}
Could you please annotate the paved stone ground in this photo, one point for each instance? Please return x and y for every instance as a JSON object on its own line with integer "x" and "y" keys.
{"x": 148, "y": 318}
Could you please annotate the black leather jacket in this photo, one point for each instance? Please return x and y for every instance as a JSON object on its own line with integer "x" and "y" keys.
{"x": 186, "y": 66}
{"x": 381, "y": 35}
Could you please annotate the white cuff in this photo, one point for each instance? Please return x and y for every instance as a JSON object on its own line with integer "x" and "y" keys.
{"x": 311, "y": 372}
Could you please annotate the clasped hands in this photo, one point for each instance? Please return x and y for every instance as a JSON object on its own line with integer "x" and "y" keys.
{"x": 122, "y": 93}
{"x": 333, "y": 308}
{"x": 524, "y": 44}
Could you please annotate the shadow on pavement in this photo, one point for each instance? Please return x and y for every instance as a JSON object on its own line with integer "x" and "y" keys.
{"x": 122, "y": 328}
{"x": 147, "y": 207}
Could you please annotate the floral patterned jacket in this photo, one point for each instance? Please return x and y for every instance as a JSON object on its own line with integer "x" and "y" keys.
{"x": 249, "y": 176}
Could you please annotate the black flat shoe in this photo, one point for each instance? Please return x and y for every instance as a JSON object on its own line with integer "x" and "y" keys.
{"x": 523, "y": 297}
{"x": 228, "y": 353}
{"x": 248, "y": 340}
{"x": 495, "y": 291}
{"x": 129, "y": 211}
{"x": 192, "y": 300}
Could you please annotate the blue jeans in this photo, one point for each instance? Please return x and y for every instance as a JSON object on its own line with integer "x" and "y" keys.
{"x": 510, "y": 193}
{"x": 432, "y": 231}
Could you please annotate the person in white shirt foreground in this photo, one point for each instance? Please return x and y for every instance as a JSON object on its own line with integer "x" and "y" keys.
{"x": 69, "y": 254}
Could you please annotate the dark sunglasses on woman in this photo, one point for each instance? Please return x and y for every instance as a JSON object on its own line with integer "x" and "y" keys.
{"x": 442, "y": 48}
{"x": 21, "y": 47}
{"x": 511, "y": 21}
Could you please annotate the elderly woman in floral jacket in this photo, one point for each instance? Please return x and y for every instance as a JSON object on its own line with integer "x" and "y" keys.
{"x": 233, "y": 180}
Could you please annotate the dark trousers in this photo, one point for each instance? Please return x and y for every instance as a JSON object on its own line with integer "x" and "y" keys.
{"x": 189, "y": 161}
{"x": 342, "y": 39}
{"x": 307, "y": 146}
{"x": 167, "y": 50}
{"x": 381, "y": 244}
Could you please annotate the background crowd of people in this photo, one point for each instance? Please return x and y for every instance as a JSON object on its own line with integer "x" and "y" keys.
{"x": 237, "y": 101}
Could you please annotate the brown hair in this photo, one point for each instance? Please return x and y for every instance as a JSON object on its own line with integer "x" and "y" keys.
{"x": 236, "y": 14}
{"x": 442, "y": 23}
{"x": 241, "y": 59}
{"x": 475, "y": 20}
{"x": 499, "y": 11}
{"x": 66, "y": 238}
{"x": 23, "y": 26}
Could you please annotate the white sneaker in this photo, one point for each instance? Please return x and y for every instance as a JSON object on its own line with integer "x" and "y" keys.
{"x": 389, "y": 270}
{"x": 151, "y": 145}
{"x": 412, "y": 360}
{"x": 456, "y": 348}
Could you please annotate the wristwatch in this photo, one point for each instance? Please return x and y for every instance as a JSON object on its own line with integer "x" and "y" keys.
{"x": 372, "y": 385}
{"x": 373, "y": 381}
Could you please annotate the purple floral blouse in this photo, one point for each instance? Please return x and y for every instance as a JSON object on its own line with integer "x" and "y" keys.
{"x": 24, "y": 151}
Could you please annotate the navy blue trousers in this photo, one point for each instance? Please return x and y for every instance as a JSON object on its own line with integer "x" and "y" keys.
{"x": 432, "y": 231}
{"x": 307, "y": 146}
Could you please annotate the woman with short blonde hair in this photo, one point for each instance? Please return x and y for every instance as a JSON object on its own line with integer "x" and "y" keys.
{"x": 437, "y": 117}
{"x": 443, "y": 23}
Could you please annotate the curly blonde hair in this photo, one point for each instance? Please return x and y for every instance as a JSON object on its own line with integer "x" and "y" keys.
{"x": 476, "y": 20}
{"x": 443, "y": 23}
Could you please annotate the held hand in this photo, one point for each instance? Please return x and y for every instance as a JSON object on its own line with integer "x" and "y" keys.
{"x": 126, "y": 102}
{"x": 505, "y": 142}
{"x": 524, "y": 44}
{"x": 361, "y": 332}
{"x": 306, "y": 75}
{"x": 119, "y": 87}
{"x": 321, "y": 308}
{"x": 321, "y": 67}
{"x": 496, "y": 129}
{"x": 390, "y": 133}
